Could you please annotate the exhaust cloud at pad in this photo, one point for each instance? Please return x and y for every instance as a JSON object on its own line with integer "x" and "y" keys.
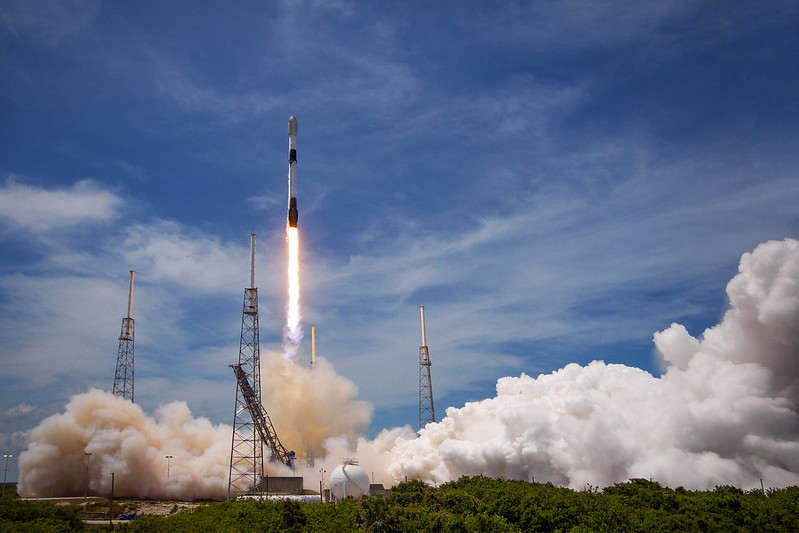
{"x": 724, "y": 411}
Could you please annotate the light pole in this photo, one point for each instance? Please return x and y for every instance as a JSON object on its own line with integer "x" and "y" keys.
{"x": 168, "y": 458}
{"x": 6, "y": 456}
{"x": 86, "y": 486}
{"x": 321, "y": 483}
{"x": 111, "y": 505}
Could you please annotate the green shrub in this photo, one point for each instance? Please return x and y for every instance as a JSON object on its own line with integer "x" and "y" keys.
{"x": 485, "y": 504}
{"x": 22, "y": 515}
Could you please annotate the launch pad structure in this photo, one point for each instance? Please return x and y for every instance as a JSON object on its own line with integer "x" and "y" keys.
{"x": 261, "y": 420}
{"x": 427, "y": 411}
{"x": 252, "y": 427}
{"x": 123, "y": 376}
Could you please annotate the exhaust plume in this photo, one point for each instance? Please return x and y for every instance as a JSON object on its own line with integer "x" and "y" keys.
{"x": 292, "y": 332}
{"x": 305, "y": 406}
{"x": 308, "y": 406}
{"x": 723, "y": 412}
{"x": 132, "y": 445}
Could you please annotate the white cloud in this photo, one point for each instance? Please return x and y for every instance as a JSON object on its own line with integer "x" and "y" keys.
{"x": 166, "y": 252}
{"x": 38, "y": 209}
{"x": 59, "y": 325}
{"x": 18, "y": 410}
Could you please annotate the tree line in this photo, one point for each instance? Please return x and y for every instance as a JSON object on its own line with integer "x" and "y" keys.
{"x": 474, "y": 504}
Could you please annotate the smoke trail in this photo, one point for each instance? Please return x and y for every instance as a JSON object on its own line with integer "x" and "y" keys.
{"x": 724, "y": 412}
{"x": 292, "y": 332}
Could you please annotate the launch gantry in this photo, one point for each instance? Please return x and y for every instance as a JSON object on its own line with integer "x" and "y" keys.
{"x": 123, "y": 376}
{"x": 427, "y": 412}
{"x": 263, "y": 423}
{"x": 252, "y": 428}
{"x": 247, "y": 450}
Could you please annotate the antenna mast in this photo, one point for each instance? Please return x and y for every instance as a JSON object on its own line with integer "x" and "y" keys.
{"x": 247, "y": 448}
{"x": 123, "y": 376}
{"x": 427, "y": 412}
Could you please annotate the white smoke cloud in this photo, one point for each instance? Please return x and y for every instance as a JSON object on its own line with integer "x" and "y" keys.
{"x": 723, "y": 412}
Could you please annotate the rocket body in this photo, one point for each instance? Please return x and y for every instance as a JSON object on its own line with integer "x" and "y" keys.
{"x": 293, "y": 214}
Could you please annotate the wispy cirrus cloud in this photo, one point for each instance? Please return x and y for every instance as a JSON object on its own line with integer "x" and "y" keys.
{"x": 193, "y": 96}
{"x": 48, "y": 21}
{"x": 579, "y": 24}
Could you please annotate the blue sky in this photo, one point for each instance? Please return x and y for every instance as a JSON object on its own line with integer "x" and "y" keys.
{"x": 553, "y": 181}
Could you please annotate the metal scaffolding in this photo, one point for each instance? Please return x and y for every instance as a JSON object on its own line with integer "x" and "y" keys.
{"x": 427, "y": 411}
{"x": 247, "y": 448}
{"x": 261, "y": 420}
{"x": 123, "y": 376}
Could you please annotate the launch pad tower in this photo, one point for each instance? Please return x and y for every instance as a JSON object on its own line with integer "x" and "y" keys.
{"x": 427, "y": 412}
{"x": 247, "y": 449}
{"x": 123, "y": 376}
{"x": 252, "y": 427}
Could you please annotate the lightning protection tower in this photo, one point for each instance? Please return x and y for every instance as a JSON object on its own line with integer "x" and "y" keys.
{"x": 247, "y": 448}
{"x": 309, "y": 451}
{"x": 123, "y": 377}
{"x": 427, "y": 412}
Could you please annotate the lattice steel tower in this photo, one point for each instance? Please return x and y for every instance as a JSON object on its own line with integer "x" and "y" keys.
{"x": 247, "y": 448}
{"x": 123, "y": 376}
{"x": 427, "y": 412}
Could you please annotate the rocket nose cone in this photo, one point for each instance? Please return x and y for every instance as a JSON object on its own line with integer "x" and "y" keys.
{"x": 292, "y": 125}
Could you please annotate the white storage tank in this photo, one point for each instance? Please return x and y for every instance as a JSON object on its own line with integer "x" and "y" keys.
{"x": 349, "y": 480}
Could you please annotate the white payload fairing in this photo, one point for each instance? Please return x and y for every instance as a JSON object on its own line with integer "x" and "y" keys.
{"x": 293, "y": 214}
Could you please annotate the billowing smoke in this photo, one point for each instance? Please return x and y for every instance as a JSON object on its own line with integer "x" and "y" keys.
{"x": 723, "y": 412}
{"x": 305, "y": 406}
{"x": 308, "y": 406}
{"x": 123, "y": 440}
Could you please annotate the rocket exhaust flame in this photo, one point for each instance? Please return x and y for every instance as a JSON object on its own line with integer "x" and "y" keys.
{"x": 292, "y": 332}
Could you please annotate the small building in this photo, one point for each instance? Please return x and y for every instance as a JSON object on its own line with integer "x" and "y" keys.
{"x": 377, "y": 489}
{"x": 281, "y": 485}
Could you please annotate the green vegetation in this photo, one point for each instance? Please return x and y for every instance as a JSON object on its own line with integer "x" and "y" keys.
{"x": 469, "y": 504}
{"x": 484, "y": 504}
{"x": 20, "y": 516}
